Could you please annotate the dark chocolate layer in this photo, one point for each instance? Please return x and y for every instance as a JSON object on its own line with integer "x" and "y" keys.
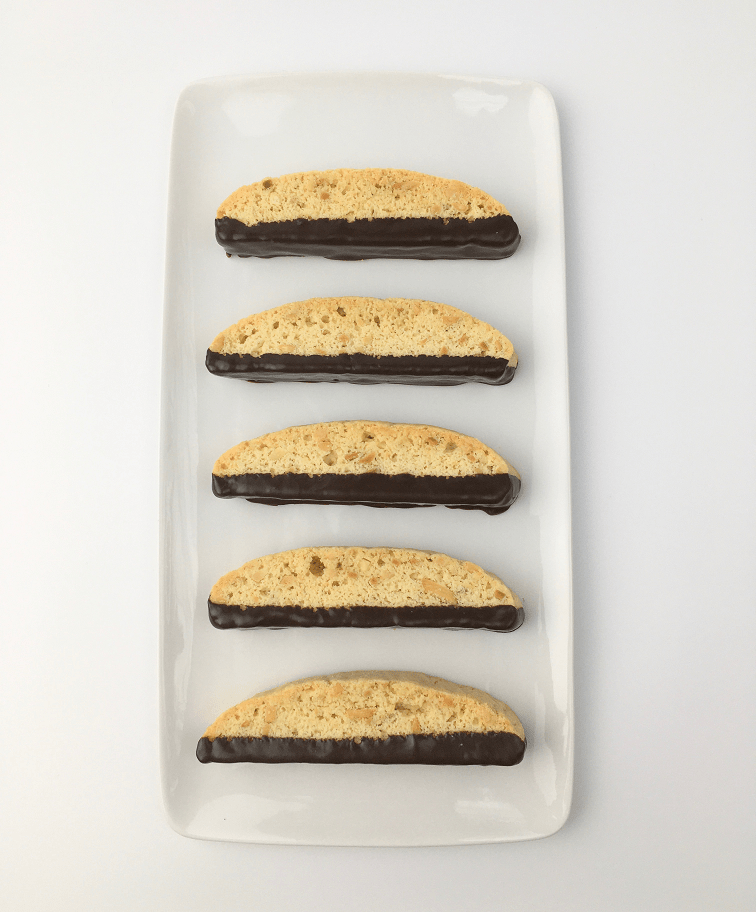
{"x": 459, "y": 749}
{"x": 485, "y": 617}
{"x": 403, "y": 238}
{"x": 430, "y": 370}
{"x": 491, "y": 493}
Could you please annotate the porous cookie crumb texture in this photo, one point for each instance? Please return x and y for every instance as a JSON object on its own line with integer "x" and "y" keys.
{"x": 373, "y": 326}
{"x": 359, "y": 447}
{"x": 351, "y": 194}
{"x": 334, "y": 577}
{"x": 366, "y": 704}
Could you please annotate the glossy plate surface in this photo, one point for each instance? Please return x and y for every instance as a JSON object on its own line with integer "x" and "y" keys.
{"x": 500, "y": 135}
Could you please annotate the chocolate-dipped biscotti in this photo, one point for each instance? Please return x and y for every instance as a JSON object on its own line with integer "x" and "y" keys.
{"x": 363, "y": 340}
{"x": 363, "y": 587}
{"x": 349, "y": 214}
{"x": 369, "y": 463}
{"x": 367, "y": 717}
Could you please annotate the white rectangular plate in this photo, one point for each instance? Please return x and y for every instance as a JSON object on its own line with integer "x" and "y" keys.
{"x": 502, "y": 136}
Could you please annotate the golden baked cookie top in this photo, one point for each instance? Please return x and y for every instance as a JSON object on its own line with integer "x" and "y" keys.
{"x": 347, "y": 193}
{"x": 371, "y": 326}
{"x": 331, "y": 577}
{"x": 366, "y": 704}
{"x": 357, "y": 447}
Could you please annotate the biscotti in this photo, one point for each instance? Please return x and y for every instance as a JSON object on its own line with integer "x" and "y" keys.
{"x": 369, "y": 463}
{"x": 367, "y": 717}
{"x": 350, "y": 214}
{"x": 363, "y": 587}
{"x": 363, "y": 340}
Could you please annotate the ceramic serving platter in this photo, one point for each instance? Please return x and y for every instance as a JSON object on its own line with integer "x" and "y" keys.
{"x": 498, "y": 134}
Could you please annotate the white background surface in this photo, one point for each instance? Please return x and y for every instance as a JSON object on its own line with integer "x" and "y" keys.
{"x": 656, "y": 104}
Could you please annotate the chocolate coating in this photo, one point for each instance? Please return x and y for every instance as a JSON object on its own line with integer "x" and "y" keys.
{"x": 486, "y": 617}
{"x": 400, "y": 238}
{"x": 429, "y": 370}
{"x": 491, "y": 493}
{"x": 457, "y": 749}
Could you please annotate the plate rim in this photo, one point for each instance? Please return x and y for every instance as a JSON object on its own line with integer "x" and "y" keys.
{"x": 164, "y": 570}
